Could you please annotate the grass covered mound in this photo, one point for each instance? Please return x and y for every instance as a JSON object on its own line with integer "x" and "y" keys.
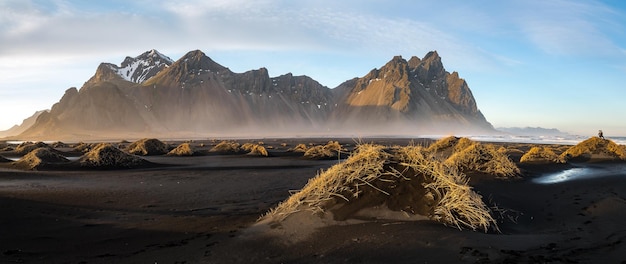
{"x": 227, "y": 147}
{"x": 107, "y": 156}
{"x": 595, "y": 149}
{"x": 255, "y": 149}
{"x": 184, "y": 149}
{"x": 405, "y": 179}
{"x": 332, "y": 149}
{"x": 541, "y": 155}
{"x": 40, "y": 158}
{"x": 147, "y": 147}
{"x": 298, "y": 148}
{"x": 470, "y": 156}
{"x": 27, "y": 147}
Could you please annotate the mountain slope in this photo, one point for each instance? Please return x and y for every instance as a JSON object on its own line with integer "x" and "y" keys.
{"x": 26, "y": 123}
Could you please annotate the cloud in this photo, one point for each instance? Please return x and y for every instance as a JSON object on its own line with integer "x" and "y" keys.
{"x": 568, "y": 28}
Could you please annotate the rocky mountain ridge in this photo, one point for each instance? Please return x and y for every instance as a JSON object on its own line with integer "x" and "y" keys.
{"x": 197, "y": 97}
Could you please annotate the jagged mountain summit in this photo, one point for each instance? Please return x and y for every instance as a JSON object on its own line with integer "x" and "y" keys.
{"x": 142, "y": 67}
{"x": 150, "y": 95}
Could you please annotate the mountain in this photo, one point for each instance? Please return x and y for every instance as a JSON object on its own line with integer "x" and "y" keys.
{"x": 419, "y": 95}
{"x": 26, "y": 123}
{"x": 151, "y": 95}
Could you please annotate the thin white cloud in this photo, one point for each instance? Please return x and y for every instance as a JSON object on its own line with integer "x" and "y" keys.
{"x": 570, "y": 28}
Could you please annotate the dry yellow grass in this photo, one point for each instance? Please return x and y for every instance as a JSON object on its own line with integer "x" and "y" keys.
{"x": 458, "y": 204}
{"x": 258, "y": 150}
{"x": 105, "y": 155}
{"x": 444, "y": 143}
{"x": 595, "y": 146}
{"x": 541, "y": 154}
{"x": 330, "y": 150}
{"x": 147, "y": 146}
{"x": 298, "y": 148}
{"x": 468, "y": 155}
{"x": 370, "y": 165}
{"x": 341, "y": 181}
{"x": 483, "y": 158}
{"x": 184, "y": 149}
{"x": 247, "y": 147}
{"x": 226, "y": 146}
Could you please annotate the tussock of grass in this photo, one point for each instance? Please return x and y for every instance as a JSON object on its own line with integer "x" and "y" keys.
{"x": 444, "y": 143}
{"x": 384, "y": 171}
{"x": 105, "y": 155}
{"x": 299, "y": 148}
{"x": 38, "y": 158}
{"x": 330, "y": 150}
{"x": 468, "y": 155}
{"x": 483, "y": 158}
{"x": 227, "y": 146}
{"x": 595, "y": 146}
{"x": 27, "y": 147}
{"x": 341, "y": 181}
{"x": 541, "y": 154}
{"x": 254, "y": 149}
{"x": 184, "y": 149}
{"x": 258, "y": 150}
{"x": 147, "y": 146}
{"x": 458, "y": 204}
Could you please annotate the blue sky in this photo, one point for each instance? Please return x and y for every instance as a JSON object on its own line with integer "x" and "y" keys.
{"x": 554, "y": 64}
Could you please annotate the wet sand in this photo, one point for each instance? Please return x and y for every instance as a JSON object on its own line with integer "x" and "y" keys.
{"x": 200, "y": 209}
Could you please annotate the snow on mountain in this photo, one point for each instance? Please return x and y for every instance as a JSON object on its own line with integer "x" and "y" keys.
{"x": 142, "y": 67}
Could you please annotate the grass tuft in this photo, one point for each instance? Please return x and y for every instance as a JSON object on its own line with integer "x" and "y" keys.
{"x": 541, "y": 154}
{"x": 147, "y": 146}
{"x": 184, "y": 149}
{"x": 595, "y": 147}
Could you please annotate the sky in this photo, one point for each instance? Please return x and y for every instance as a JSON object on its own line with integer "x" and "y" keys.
{"x": 546, "y": 63}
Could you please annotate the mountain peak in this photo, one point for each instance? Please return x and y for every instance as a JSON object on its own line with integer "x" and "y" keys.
{"x": 143, "y": 67}
{"x": 155, "y": 55}
{"x": 196, "y": 59}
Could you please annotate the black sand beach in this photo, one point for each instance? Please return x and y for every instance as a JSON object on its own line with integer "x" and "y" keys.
{"x": 199, "y": 209}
